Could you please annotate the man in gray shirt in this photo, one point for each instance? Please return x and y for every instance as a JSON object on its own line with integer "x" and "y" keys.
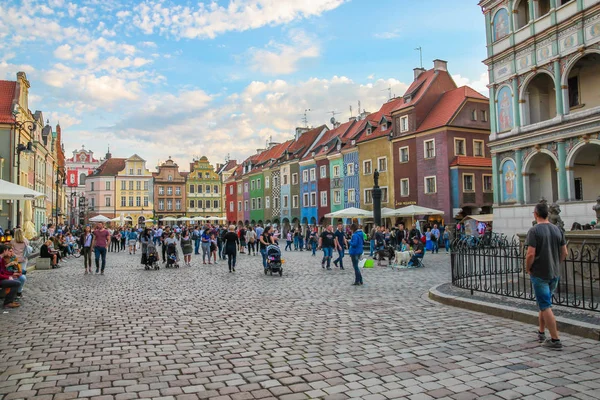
{"x": 546, "y": 250}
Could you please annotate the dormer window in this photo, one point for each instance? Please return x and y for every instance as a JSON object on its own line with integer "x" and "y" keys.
{"x": 404, "y": 123}
{"x": 383, "y": 126}
{"x": 407, "y": 99}
{"x": 368, "y": 131}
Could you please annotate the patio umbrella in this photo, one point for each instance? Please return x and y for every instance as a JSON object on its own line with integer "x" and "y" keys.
{"x": 411, "y": 211}
{"x": 184, "y": 219}
{"x": 10, "y": 191}
{"x": 100, "y": 218}
{"x": 28, "y": 227}
{"x": 169, "y": 219}
{"x": 351, "y": 212}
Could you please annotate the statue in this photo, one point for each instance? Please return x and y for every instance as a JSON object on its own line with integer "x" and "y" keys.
{"x": 376, "y": 178}
{"x": 554, "y": 217}
{"x": 597, "y": 209}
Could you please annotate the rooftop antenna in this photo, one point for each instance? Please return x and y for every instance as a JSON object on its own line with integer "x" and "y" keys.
{"x": 227, "y": 158}
{"x": 359, "y": 107}
{"x": 420, "y": 50}
{"x": 305, "y": 117}
{"x": 351, "y": 115}
{"x": 389, "y": 90}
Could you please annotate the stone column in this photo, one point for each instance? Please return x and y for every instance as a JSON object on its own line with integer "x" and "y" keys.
{"x": 519, "y": 176}
{"x": 558, "y": 89}
{"x": 562, "y": 172}
{"x": 516, "y": 103}
{"x": 495, "y": 179}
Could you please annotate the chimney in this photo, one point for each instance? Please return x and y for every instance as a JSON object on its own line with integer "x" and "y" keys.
{"x": 418, "y": 72}
{"x": 440, "y": 65}
{"x": 300, "y": 131}
{"x": 352, "y": 119}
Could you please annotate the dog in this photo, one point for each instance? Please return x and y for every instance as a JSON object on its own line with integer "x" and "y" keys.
{"x": 386, "y": 252}
{"x": 403, "y": 257}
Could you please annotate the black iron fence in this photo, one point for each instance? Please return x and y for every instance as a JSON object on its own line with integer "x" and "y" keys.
{"x": 500, "y": 269}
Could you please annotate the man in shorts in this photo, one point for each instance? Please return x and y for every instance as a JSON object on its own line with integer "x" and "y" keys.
{"x": 546, "y": 250}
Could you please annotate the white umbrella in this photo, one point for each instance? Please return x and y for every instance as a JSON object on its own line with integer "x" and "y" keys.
{"x": 169, "y": 219}
{"x": 184, "y": 219}
{"x": 411, "y": 211}
{"x": 10, "y": 191}
{"x": 351, "y": 212}
{"x": 100, "y": 218}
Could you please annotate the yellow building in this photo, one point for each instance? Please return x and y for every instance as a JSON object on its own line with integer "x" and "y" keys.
{"x": 134, "y": 192}
{"x": 375, "y": 153}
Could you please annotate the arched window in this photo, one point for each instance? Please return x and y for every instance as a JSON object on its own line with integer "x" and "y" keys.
{"x": 540, "y": 99}
{"x": 522, "y": 15}
{"x": 82, "y": 177}
{"x": 583, "y": 82}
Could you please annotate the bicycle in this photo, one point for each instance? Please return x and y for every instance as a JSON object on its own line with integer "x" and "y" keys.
{"x": 76, "y": 250}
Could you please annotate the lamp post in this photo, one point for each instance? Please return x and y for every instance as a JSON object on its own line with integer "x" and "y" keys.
{"x": 20, "y": 149}
{"x": 58, "y": 181}
{"x": 376, "y": 199}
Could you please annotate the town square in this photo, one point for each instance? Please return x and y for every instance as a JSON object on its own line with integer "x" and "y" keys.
{"x": 325, "y": 199}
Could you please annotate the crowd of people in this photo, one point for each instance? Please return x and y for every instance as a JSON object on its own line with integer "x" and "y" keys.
{"x": 213, "y": 242}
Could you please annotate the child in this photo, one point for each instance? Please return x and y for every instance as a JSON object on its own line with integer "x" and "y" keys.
{"x": 289, "y": 241}
{"x": 213, "y": 248}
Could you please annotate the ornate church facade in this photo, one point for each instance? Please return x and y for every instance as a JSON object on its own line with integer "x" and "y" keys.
{"x": 544, "y": 72}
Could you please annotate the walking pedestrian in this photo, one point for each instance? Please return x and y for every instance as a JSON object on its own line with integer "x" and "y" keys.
{"x": 288, "y": 241}
{"x": 435, "y": 238}
{"x": 265, "y": 240}
{"x": 100, "y": 245}
{"x": 124, "y": 236}
{"x": 186, "y": 247}
{"x": 251, "y": 240}
{"x": 132, "y": 238}
{"x": 546, "y": 251}
{"x": 342, "y": 244}
{"x": 231, "y": 244}
{"x": 205, "y": 239}
{"x": 296, "y": 238}
{"x": 446, "y": 236}
{"x": 327, "y": 242}
{"x": 242, "y": 236}
{"x": 313, "y": 241}
{"x": 213, "y": 247}
{"x": 196, "y": 239}
{"x": 85, "y": 245}
{"x": 355, "y": 249}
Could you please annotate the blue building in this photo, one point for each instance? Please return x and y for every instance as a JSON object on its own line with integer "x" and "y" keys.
{"x": 308, "y": 191}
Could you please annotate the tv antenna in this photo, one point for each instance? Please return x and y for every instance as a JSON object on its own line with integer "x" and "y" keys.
{"x": 420, "y": 50}
{"x": 305, "y": 117}
{"x": 389, "y": 90}
{"x": 332, "y": 119}
{"x": 351, "y": 115}
{"x": 359, "y": 107}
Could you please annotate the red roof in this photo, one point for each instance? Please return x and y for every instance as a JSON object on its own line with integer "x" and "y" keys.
{"x": 464, "y": 161}
{"x": 110, "y": 167}
{"x": 448, "y": 105}
{"x": 7, "y": 96}
{"x": 418, "y": 88}
{"x": 386, "y": 109}
{"x": 300, "y": 146}
{"x": 327, "y": 137}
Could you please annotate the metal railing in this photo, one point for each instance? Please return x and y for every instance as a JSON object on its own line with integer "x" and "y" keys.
{"x": 500, "y": 270}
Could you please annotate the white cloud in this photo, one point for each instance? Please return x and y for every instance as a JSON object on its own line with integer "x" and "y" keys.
{"x": 479, "y": 84}
{"x": 387, "y": 35}
{"x": 198, "y": 123}
{"x": 278, "y": 58}
{"x": 9, "y": 71}
{"x": 210, "y": 20}
{"x": 66, "y": 120}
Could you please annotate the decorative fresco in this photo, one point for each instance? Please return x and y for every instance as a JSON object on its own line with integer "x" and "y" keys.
{"x": 505, "y": 109}
{"x": 501, "y": 25}
{"x": 509, "y": 176}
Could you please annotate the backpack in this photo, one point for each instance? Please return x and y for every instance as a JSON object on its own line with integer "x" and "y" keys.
{"x": 195, "y": 235}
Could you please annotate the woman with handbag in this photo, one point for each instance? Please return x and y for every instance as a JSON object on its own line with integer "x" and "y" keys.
{"x": 85, "y": 244}
{"x": 22, "y": 249}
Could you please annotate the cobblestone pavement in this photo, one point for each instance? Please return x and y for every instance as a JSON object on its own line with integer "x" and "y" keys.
{"x": 202, "y": 332}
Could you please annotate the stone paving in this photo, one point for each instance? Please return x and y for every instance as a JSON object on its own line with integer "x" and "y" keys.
{"x": 202, "y": 332}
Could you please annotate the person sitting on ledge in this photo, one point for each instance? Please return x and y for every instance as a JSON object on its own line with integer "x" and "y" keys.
{"x": 13, "y": 266}
{"x": 419, "y": 251}
{"x": 7, "y": 281}
{"x": 46, "y": 252}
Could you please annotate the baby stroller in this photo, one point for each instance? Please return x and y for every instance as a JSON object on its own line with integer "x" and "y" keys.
{"x": 274, "y": 261}
{"x": 172, "y": 256}
{"x": 150, "y": 258}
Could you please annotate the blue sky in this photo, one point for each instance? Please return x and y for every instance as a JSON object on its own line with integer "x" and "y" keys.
{"x": 179, "y": 78}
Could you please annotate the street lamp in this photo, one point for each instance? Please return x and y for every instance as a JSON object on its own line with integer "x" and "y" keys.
{"x": 59, "y": 172}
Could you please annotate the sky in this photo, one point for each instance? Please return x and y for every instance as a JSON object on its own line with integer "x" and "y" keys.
{"x": 184, "y": 79}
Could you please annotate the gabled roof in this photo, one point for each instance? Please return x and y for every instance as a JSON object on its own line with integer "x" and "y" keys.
{"x": 418, "y": 88}
{"x": 229, "y": 165}
{"x": 7, "y": 96}
{"x": 110, "y": 167}
{"x": 375, "y": 118}
{"x": 299, "y": 147}
{"x": 447, "y": 106}
{"x": 323, "y": 146}
{"x": 464, "y": 161}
